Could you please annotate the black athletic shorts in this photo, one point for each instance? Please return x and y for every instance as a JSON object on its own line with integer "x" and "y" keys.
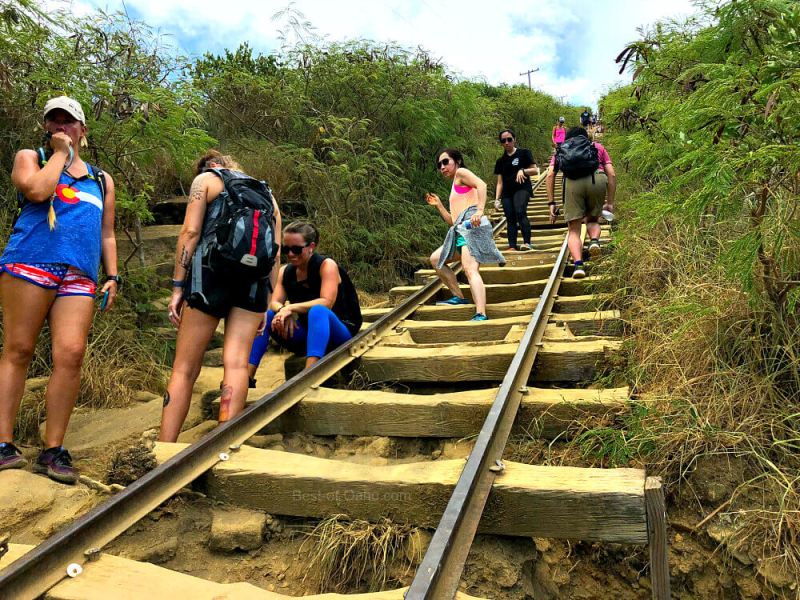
{"x": 221, "y": 292}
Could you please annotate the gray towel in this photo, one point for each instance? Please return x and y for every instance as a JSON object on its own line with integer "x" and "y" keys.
{"x": 480, "y": 241}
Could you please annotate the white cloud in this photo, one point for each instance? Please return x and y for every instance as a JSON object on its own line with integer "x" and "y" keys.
{"x": 474, "y": 38}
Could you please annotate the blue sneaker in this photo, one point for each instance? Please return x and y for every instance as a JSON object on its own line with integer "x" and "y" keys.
{"x": 11, "y": 457}
{"x": 479, "y": 317}
{"x": 454, "y": 301}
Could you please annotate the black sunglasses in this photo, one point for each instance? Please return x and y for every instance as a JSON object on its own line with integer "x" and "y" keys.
{"x": 443, "y": 163}
{"x": 506, "y": 140}
{"x": 293, "y": 249}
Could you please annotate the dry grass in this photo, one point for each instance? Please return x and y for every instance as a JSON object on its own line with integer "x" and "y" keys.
{"x": 716, "y": 377}
{"x": 353, "y": 555}
{"x": 130, "y": 464}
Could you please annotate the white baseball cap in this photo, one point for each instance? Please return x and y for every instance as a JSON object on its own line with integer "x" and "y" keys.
{"x": 66, "y": 104}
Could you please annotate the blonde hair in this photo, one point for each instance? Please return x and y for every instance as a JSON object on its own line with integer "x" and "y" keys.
{"x": 215, "y": 156}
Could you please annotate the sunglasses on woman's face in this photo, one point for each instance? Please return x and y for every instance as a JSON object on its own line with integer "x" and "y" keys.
{"x": 506, "y": 140}
{"x": 443, "y": 163}
{"x": 296, "y": 250}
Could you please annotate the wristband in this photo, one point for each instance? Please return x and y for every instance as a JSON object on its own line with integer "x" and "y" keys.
{"x": 115, "y": 278}
{"x": 177, "y": 283}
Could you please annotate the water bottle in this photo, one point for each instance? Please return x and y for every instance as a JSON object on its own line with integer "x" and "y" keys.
{"x": 463, "y": 227}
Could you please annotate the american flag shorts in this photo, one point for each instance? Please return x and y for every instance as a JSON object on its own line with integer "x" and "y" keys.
{"x": 66, "y": 280}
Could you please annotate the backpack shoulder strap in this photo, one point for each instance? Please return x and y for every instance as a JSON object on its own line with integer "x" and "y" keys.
{"x": 100, "y": 177}
{"x": 223, "y": 174}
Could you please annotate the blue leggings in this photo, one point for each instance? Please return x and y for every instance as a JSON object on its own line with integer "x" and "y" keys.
{"x": 325, "y": 332}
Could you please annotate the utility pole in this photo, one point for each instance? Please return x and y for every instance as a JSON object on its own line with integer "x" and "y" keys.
{"x": 528, "y": 73}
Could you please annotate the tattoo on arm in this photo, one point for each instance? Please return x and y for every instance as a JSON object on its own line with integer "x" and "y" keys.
{"x": 186, "y": 260}
{"x": 196, "y": 192}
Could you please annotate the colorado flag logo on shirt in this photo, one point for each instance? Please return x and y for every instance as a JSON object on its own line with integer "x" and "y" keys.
{"x": 70, "y": 195}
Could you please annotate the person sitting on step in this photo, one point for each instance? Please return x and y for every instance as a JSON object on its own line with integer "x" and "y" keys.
{"x": 470, "y": 237}
{"x": 314, "y": 307}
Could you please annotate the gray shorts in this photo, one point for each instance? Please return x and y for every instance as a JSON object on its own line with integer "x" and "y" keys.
{"x": 582, "y": 198}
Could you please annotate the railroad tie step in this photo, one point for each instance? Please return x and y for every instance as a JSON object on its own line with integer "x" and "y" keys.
{"x": 568, "y": 361}
{"x": 605, "y": 322}
{"x": 114, "y": 577}
{"x": 329, "y": 412}
{"x": 526, "y": 500}
{"x": 500, "y": 292}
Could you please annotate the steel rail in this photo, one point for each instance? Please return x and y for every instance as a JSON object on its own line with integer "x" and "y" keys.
{"x": 44, "y": 566}
{"x": 439, "y": 573}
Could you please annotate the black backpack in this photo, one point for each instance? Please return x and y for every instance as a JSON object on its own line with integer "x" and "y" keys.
{"x": 577, "y": 157}
{"x": 239, "y": 228}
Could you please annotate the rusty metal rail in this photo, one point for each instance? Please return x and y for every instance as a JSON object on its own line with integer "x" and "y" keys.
{"x": 438, "y": 575}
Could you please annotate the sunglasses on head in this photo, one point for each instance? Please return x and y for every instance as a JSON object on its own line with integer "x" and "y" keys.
{"x": 293, "y": 249}
{"x": 443, "y": 163}
{"x": 507, "y": 140}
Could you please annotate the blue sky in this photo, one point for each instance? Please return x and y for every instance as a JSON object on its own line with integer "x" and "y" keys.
{"x": 572, "y": 42}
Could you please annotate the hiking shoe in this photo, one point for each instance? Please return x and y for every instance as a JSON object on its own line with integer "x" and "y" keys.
{"x": 11, "y": 457}
{"x": 524, "y": 247}
{"x": 479, "y": 317}
{"x": 56, "y": 463}
{"x": 594, "y": 248}
{"x": 578, "y": 272}
{"x": 454, "y": 301}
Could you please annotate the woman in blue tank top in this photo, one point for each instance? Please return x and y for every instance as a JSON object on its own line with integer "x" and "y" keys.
{"x": 49, "y": 271}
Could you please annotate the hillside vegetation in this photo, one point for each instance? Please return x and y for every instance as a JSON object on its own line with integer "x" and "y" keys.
{"x": 708, "y": 265}
{"x": 345, "y": 133}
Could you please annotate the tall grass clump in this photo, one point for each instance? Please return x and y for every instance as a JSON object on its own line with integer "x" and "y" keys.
{"x": 348, "y": 555}
{"x": 707, "y": 261}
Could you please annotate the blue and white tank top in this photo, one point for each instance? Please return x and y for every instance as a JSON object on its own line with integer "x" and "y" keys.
{"x": 76, "y": 239}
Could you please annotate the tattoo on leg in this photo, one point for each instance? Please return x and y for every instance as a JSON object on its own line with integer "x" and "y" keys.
{"x": 227, "y": 392}
{"x": 166, "y": 398}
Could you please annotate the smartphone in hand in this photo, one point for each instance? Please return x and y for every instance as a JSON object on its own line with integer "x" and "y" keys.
{"x": 104, "y": 301}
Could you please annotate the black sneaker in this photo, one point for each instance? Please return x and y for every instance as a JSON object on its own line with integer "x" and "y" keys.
{"x": 56, "y": 463}
{"x": 11, "y": 457}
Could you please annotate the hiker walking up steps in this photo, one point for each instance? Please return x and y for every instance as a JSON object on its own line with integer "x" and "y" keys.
{"x": 469, "y": 238}
{"x": 225, "y": 266}
{"x": 514, "y": 170}
{"x": 590, "y": 185}
{"x": 559, "y": 133}
{"x": 315, "y": 306}
{"x": 64, "y": 229}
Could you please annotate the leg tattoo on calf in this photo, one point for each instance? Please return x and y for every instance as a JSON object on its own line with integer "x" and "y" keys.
{"x": 166, "y": 398}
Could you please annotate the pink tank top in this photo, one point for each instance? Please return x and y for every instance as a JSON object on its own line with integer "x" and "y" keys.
{"x": 462, "y": 196}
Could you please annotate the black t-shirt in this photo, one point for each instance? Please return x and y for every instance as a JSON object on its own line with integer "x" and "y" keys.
{"x": 508, "y": 167}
